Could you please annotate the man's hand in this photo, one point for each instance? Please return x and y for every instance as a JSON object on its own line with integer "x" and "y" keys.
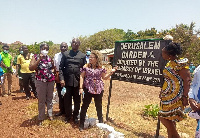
{"x": 81, "y": 91}
{"x": 62, "y": 83}
{"x": 193, "y": 104}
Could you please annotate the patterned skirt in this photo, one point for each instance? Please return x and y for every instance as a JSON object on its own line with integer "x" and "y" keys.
{"x": 171, "y": 106}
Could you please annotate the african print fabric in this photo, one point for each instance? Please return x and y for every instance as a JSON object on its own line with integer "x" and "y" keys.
{"x": 171, "y": 106}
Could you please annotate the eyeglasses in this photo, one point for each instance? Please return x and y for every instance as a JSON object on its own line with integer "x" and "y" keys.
{"x": 92, "y": 57}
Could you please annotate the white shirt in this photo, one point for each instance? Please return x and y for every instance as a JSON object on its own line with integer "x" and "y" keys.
{"x": 57, "y": 59}
{"x": 194, "y": 91}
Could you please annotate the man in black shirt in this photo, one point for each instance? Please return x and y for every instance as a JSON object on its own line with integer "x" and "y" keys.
{"x": 69, "y": 74}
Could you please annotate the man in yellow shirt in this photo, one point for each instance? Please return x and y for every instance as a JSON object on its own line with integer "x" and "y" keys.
{"x": 28, "y": 76}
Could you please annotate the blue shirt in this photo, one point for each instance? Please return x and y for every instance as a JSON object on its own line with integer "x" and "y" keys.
{"x": 194, "y": 91}
{"x": 1, "y": 70}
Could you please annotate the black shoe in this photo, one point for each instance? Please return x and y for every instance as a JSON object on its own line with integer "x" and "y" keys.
{"x": 76, "y": 121}
{"x": 0, "y": 103}
{"x": 27, "y": 98}
{"x": 59, "y": 114}
{"x": 40, "y": 123}
{"x": 50, "y": 118}
{"x": 36, "y": 97}
{"x": 81, "y": 127}
{"x": 67, "y": 121}
{"x": 101, "y": 120}
{"x": 22, "y": 91}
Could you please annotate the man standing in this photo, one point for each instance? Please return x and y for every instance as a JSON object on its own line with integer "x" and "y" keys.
{"x": 18, "y": 74}
{"x": 7, "y": 69}
{"x": 57, "y": 59}
{"x": 28, "y": 76}
{"x": 70, "y": 65}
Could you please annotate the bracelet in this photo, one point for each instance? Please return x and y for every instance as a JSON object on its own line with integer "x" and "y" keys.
{"x": 184, "y": 96}
{"x": 80, "y": 88}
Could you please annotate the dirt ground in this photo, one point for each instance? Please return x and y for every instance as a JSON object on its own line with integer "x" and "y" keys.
{"x": 18, "y": 116}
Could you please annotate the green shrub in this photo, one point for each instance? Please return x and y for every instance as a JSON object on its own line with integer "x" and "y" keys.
{"x": 151, "y": 110}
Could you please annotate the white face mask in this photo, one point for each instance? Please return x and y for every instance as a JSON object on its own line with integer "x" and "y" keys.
{"x": 5, "y": 51}
{"x": 21, "y": 52}
{"x": 44, "y": 52}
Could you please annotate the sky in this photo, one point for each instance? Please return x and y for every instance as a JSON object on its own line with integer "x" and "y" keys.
{"x": 59, "y": 21}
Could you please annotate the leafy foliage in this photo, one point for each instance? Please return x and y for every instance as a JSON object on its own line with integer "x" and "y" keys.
{"x": 182, "y": 33}
{"x": 101, "y": 40}
{"x": 151, "y": 110}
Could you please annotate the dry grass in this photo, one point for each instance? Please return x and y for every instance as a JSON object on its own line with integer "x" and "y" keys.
{"x": 126, "y": 113}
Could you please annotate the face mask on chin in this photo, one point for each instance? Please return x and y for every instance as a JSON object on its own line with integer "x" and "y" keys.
{"x": 5, "y": 51}
{"x": 44, "y": 52}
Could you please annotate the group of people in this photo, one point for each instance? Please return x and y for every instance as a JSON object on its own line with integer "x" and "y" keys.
{"x": 69, "y": 69}
{"x": 81, "y": 73}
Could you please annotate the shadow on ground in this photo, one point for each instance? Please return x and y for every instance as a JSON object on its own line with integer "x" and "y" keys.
{"x": 30, "y": 122}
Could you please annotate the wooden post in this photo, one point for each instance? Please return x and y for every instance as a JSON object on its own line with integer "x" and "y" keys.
{"x": 158, "y": 128}
{"x": 109, "y": 96}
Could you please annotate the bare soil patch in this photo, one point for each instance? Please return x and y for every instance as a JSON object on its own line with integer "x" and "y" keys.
{"x": 18, "y": 116}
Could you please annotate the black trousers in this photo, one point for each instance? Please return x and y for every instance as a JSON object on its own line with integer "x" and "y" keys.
{"x": 86, "y": 102}
{"x": 29, "y": 78}
{"x": 20, "y": 82}
{"x": 72, "y": 92}
{"x": 61, "y": 98}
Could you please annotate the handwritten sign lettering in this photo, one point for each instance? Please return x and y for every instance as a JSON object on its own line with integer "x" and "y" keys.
{"x": 140, "y": 61}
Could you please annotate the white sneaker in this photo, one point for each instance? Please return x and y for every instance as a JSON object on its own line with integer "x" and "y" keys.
{"x": 195, "y": 115}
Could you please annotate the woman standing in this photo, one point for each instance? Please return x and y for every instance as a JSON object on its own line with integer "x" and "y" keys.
{"x": 43, "y": 66}
{"x": 174, "y": 93}
{"x": 92, "y": 85}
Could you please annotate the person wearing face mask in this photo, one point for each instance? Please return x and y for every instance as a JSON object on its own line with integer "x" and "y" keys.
{"x": 44, "y": 66}
{"x": 69, "y": 73}
{"x": 7, "y": 69}
{"x": 1, "y": 77}
{"x": 18, "y": 73}
{"x": 28, "y": 76}
{"x": 88, "y": 52}
{"x": 57, "y": 59}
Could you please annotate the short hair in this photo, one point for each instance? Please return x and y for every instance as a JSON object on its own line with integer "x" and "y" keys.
{"x": 173, "y": 49}
{"x": 77, "y": 40}
{"x": 23, "y": 46}
{"x": 63, "y": 43}
{"x": 5, "y": 45}
{"x": 43, "y": 44}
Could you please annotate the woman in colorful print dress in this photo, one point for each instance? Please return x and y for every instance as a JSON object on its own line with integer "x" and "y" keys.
{"x": 43, "y": 65}
{"x": 93, "y": 86}
{"x": 174, "y": 93}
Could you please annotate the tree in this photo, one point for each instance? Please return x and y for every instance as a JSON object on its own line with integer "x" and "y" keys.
{"x": 184, "y": 34}
{"x": 129, "y": 35}
{"x": 101, "y": 40}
